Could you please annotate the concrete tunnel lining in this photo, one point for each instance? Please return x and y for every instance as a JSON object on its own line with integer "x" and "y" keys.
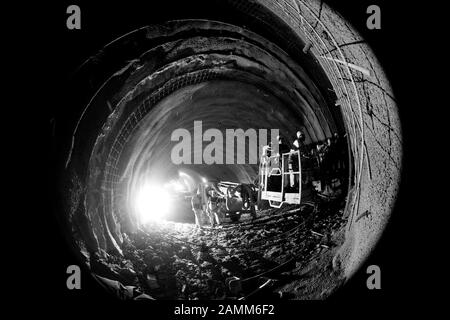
{"x": 368, "y": 109}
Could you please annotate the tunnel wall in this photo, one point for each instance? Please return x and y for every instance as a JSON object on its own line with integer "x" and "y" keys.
{"x": 369, "y": 107}
{"x": 365, "y": 99}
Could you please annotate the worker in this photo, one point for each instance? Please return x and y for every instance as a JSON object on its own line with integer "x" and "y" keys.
{"x": 266, "y": 152}
{"x": 215, "y": 211}
{"x": 196, "y": 203}
{"x": 299, "y": 141}
{"x": 211, "y": 200}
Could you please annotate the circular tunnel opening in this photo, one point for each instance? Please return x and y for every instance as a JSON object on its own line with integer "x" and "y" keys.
{"x": 179, "y": 108}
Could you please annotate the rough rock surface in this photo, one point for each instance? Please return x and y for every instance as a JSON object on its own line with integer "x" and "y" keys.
{"x": 174, "y": 261}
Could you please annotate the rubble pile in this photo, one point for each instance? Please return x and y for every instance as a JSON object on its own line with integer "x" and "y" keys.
{"x": 174, "y": 261}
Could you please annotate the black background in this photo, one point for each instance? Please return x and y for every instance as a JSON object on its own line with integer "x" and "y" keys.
{"x": 41, "y": 256}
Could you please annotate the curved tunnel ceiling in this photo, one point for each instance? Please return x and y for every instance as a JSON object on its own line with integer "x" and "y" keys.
{"x": 223, "y": 75}
{"x": 141, "y": 87}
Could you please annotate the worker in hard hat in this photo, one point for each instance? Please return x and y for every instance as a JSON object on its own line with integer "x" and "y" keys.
{"x": 298, "y": 141}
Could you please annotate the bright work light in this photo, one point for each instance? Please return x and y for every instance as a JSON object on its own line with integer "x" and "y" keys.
{"x": 152, "y": 203}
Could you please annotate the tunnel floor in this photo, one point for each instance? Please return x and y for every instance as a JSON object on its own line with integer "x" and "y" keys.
{"x": 284, "y": 253}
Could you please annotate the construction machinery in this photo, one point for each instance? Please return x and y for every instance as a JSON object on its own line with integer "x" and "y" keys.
{"x": 280, "y": 178}
{"x": 238, "y": 198}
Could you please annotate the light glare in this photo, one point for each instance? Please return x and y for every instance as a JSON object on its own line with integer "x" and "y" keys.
{"x": 152, "y": 203}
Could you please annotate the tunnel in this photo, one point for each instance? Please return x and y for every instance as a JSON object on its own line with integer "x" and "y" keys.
{"x": 265, "y": 66}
